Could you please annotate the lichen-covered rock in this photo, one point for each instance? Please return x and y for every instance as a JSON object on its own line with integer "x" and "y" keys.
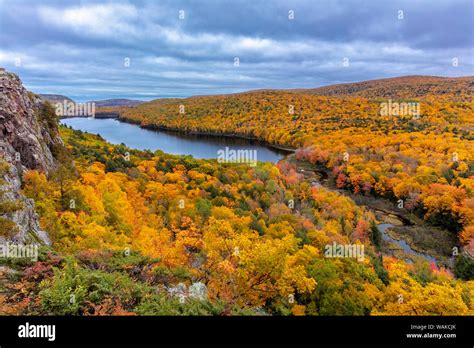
{"x": 22, "y": 136}
{"x": 25, "y": 218}
{"x": 198, "y": 291}
{"x": 26, "y": 142}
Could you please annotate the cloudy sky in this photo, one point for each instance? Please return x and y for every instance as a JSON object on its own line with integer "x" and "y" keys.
{"x": 151, "y": 49}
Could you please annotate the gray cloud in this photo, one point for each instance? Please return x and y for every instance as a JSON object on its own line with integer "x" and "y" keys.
{"x": 78, "y": 48}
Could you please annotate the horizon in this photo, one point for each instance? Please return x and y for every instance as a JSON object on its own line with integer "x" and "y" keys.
{"x": 263, "y": 89}
{"x": 96, "y": 50}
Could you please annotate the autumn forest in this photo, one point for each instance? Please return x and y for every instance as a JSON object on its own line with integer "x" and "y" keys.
{"x": 199, "y": 173}
{"x": 148, "y": 233}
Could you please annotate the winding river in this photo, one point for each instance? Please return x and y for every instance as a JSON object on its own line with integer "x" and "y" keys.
{"x": 402, "y": 244}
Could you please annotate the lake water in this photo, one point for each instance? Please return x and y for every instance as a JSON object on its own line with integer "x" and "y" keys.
{"x": 175, "y": 143}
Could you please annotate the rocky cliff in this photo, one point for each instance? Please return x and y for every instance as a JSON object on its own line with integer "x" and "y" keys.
{"x": 28, "y": 139}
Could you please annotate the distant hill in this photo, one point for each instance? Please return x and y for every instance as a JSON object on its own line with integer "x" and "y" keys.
{"x": 292, "y": 117}
{"x": 116, "y": 102}
{"x": 398, "y": 87}
{"x": 54, "y": 98}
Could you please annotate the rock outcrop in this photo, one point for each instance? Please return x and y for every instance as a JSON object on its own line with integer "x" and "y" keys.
{"x": 27, "y": 141}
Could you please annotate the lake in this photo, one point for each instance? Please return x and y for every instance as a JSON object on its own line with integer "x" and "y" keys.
{"x": 176, "y": 143}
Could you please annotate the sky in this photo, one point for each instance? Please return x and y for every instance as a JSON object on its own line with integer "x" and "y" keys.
{"x": 92, "y": 50}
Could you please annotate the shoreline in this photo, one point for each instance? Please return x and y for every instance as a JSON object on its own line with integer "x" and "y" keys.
{"x": 98, "y": 115}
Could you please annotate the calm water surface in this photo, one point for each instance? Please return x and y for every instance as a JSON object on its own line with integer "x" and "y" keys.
{"x": 199, "y": 146}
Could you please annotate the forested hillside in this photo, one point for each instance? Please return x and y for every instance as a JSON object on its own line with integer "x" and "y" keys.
{"x": 424, "y": 158}
{"x": 406, "y": 87}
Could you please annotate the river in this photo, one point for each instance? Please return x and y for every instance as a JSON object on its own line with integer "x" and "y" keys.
{"x": 199, "y": 146}
{"x": 402, "y": 244}
{"x": 319, "y": 177}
